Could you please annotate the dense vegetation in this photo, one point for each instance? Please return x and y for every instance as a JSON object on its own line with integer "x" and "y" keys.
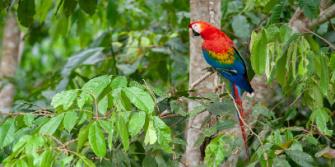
{"x": 97, "y": 78}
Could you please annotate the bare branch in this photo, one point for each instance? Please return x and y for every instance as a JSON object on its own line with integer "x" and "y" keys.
{"x": 324, "y": 16}
{"x": 197, "y": 82}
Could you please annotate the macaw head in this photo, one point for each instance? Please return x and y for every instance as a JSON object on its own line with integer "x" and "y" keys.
{"x": 204, "y": 29}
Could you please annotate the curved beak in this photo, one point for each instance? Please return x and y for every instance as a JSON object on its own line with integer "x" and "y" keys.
{"x": 195, "y": 33}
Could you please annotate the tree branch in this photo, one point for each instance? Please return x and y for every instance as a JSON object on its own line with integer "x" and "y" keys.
{"x": 324, "y": 16}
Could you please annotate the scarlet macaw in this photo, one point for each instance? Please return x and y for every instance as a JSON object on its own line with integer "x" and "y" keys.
{"x": 220, "y": 52}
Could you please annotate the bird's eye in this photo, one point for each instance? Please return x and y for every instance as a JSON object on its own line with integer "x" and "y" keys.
{"x": 196, "y": 28}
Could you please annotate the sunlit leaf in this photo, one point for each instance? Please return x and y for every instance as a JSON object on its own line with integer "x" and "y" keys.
{"x": 151, "y": 135}
{"x": 140, "y": 98}
{"x": 163, "y": 134}
{"x": 109, "y": 128}
{"x": 97, "y": 140}
{"x": 47, "y": 158}
{"x": 42, "y": 10}
{"x": 82, "y": 136}
{"x": 96, "y": 85}
{"x": 86, "y": 161}
{"x": 7, "y": 132}
{"x": 123, "y": 132}
{"x": 52, "y": 125}
{"x": 136, "y": 123}
{"x": 103, "y": 105}
{"x": 119, "y": 82}
{"x": 29, "y": 119}
{"x": 258, "y": 51}
{"x": 70, "y": 120}
{"x": 83, "y": 99}
{"x": 64, "y": 99}
{"x": 216, "y": 151}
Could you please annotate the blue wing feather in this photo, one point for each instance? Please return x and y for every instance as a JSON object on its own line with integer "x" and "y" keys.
{"x": 235, "y": 72}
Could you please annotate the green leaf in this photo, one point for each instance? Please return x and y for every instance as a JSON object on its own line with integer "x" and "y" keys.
{"x": 258, "y": 47}
{"x": 47, "y": 158}
{"x": 82, "y": 137}
{"x": 88, "y": 6}
{"x": 151, "y": 135}
{"x": 109, "y": 128}
{"x": 136, "y": 123}
{"x": 42, "y": 10}
{"x": 119, "y": 82}
{"x": 120, "y": 100}
{"x": 276, "y": 11}
{"x": 64, "y": 99}
{"x": 51, "y": 126}
{"x": 241, "y": 26}
{"x": 69, "y": 7}
{"x": 4, "y": 4}
{"x": 96, "y": 85}
{"x": 324, "y": 75}
{"x": 21, "y": 163}
{"x": 112, "y": 13}
{"x": 216, "y": 151}
{"x": 7, "y": 132}
{"x": 301, "y": 158}
{"x": 123, "y": 132}
{"x": 97, "y": 140}
{"x": 321, "y": 117}
{"x": 86, "y": 161}
{"x": 83, "y": 99}
{"x": 310, "y": 7}
{"x": 163, "y": 134}
{"x": 103, "y": 105}
{"x": 28, "y": 119}
{"x": 280, "y": 162}
{"x": 70, "y": 120}
{"x": 140, "y": 98}
{"x": 26, "y": 12}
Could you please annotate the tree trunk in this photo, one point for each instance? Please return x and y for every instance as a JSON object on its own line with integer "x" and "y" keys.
{"x": 9, "y": 61}
{"x": 210, "y": 11}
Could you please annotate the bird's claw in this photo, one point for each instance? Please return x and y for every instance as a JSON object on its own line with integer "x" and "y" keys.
{"x": 209, "y": 69}
{"x": 219, "y": 87}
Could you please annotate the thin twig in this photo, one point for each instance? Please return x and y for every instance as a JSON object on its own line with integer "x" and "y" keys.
{"x": 323, "y": 39}
{"x": 168, "y": 116}
{"x": 197, "y": 82}
{"x": 40, "y": 113}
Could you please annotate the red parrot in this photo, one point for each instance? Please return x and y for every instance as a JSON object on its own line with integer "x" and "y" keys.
{"x": 220, "y": 52}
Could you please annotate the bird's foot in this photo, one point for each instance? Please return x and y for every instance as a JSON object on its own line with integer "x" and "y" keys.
{"x": 219, "y": 87}
{"x": 208, "y": 69}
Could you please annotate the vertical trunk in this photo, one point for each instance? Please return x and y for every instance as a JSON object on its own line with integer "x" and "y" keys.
{"x": 9, "y": 61}
{"x": 210, "y": 11}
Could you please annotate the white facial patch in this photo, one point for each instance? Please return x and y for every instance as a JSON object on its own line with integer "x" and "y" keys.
{"x": 196, "y": 28}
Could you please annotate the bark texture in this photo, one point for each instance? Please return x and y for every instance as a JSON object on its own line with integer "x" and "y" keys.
{"x": 210, "y": 11}
{"x": 9, "y": 60}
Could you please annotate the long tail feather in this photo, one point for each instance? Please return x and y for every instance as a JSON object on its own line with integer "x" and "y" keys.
{"x": 238, "y": 101}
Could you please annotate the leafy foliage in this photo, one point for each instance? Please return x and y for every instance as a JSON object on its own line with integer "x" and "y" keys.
{"x": 92, "y": 131}
{"x": 81, "y": 99}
